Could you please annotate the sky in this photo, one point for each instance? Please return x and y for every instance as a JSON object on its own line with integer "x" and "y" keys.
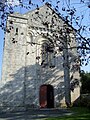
{"x": 1, "y": 49}
{"x": 82, "y": 9}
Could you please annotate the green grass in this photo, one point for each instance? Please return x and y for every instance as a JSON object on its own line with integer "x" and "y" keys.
{"x": 79, "y": 114}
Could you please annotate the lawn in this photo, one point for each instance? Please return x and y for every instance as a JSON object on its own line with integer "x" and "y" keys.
{"x": 79, "y": 114}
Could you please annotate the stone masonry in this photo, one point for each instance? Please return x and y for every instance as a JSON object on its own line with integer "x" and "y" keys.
{"x": 24, "y": 70}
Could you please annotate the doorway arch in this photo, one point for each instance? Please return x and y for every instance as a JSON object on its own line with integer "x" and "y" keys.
{"x": 46, "y": 96}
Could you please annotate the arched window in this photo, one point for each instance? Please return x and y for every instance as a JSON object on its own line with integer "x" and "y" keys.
{"x": 44, "y": 54}
{"x": 48, "y": 58}
{"x": 30, "y": 40}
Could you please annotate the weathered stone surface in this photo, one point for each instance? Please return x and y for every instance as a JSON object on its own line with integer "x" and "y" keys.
{"x": 22, "y": 72}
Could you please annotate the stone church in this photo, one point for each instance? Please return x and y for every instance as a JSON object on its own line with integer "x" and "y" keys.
{"x": 33, "y": 61}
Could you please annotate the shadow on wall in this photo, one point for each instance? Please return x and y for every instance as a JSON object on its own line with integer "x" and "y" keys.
{"x": 23, "y": 87}
{"x": 13, "y": 92}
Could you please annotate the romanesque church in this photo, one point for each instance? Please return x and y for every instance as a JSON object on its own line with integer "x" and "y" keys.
{"x": 33, "y": 60}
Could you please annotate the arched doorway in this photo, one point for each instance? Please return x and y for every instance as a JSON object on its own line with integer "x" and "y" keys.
{"x": 46, "y": 96}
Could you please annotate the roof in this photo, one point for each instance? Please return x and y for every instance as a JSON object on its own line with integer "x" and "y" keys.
{"x": 46, "y": 7}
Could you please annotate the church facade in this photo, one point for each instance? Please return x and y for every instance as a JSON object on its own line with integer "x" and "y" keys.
{"x": 33, "y": 67}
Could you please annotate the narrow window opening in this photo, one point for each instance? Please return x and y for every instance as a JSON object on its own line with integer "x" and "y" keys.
{"x": 30, "y": 38}
{"x": 16, "y": 31}
{"x": 48, "y": 57}
{"x": 44, "y": 55}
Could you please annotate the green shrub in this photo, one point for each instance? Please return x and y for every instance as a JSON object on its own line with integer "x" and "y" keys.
{"x": 85, "y": 80}
{"x": 83, "y": 101}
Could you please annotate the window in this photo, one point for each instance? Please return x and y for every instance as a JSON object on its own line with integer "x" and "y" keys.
{"x": 30, "y": 38}
{"x": 16, "y": 31}
{"x": 44, "y": 55}
{"x": 48, "y": 58}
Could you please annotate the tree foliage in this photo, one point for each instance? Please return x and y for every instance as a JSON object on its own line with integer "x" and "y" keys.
{"x": 85, "y": 80}
{"x": 65, "y": 9}
{"x": 72, "y": 22}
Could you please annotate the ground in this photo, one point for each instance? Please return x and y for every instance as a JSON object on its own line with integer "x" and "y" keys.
{"x": 34, "y": 114}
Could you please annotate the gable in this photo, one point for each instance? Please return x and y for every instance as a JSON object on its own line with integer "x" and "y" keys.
{"x": 44, "y": 17}
{"x": 25, "y": 68}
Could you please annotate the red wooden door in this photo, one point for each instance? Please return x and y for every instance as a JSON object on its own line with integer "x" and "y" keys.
{"x": 46, "y": 96}
{"x": 43, "y": 96}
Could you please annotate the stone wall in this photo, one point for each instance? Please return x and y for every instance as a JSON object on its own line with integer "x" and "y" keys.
{"x": 22, "y": 72}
